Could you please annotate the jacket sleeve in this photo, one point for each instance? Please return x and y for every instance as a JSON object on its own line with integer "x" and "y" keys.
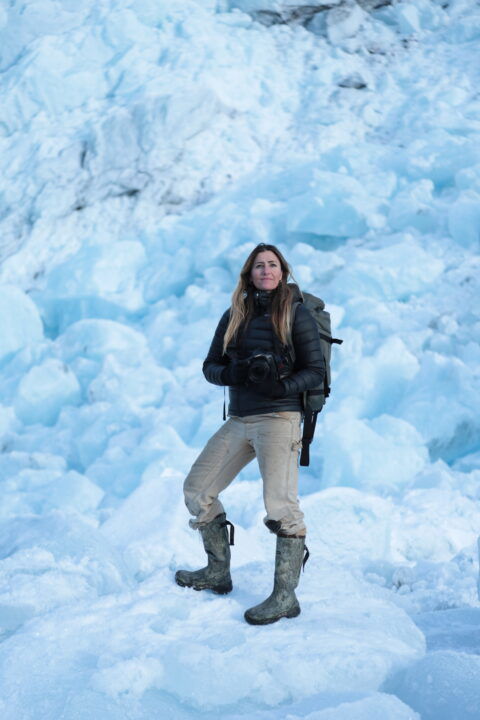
{"x": 309, "y": 369}
{"x": 216, "y": 361}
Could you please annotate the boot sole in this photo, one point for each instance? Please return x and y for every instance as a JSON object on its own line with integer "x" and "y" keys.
{"x": 218, "y": 589}
{"x": 294, "y": 612}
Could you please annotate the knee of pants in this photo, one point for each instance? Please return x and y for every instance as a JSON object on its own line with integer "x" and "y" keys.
{"x": 291, "y": 526}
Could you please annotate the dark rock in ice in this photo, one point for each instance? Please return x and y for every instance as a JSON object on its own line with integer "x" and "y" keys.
{"x": 354, "y": 81}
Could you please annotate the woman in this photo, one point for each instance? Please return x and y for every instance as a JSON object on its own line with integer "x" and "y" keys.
{"x": 249, "y": 353}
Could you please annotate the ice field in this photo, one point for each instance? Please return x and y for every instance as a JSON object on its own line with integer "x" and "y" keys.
{"x": 146, "y": 146}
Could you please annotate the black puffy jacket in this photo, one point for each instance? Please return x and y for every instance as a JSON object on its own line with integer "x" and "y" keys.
{"x": 308, "y": 371}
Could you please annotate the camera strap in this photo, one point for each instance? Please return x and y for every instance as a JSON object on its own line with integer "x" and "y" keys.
{"x": 283, "y": 351}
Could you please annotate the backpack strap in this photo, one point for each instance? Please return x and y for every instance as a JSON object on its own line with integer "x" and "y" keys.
{"x": 309, "y": 422}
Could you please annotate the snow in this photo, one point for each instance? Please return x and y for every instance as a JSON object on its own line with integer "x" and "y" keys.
{"x": 449, "y": 682}
{"x": 145, "y": 148}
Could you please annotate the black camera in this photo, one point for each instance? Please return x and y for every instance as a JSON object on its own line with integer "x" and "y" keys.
{"x": 266, "y": 366}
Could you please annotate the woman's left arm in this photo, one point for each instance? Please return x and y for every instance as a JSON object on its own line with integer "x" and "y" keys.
{"x": 309, "y": 360}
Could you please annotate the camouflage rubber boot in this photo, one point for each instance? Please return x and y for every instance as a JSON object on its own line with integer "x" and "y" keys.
{"x": 283, "y": 601}
{"x": 216, "y": 575}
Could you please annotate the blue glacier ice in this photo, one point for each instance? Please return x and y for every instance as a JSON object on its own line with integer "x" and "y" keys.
{"x": 146, "y": 147}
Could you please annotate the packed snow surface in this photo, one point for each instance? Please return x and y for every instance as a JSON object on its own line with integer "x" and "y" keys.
{"x": 145, "y": 148}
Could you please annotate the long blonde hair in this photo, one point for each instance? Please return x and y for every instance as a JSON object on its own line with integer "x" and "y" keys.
{"x": 242, "y": 306}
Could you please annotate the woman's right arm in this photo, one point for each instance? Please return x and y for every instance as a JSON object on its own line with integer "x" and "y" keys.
{"x": 215, "y": 362}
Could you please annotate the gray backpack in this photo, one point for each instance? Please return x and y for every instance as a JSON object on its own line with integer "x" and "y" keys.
{"x": 314, "y": 399}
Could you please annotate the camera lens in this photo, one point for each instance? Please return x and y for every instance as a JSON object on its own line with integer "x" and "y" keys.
{"x": 259, "y": 370}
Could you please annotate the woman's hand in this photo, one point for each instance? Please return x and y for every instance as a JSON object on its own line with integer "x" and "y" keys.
{"x": 235, "y": 373}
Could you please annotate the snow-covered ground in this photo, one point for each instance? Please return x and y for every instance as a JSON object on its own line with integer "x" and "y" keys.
{"x": 145, "y": 147}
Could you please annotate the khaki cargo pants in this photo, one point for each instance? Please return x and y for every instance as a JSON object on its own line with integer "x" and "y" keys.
{"x": 275, "y": 440}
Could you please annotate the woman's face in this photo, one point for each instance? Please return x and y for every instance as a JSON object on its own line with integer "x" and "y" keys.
{"x": 266, "y": 271}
